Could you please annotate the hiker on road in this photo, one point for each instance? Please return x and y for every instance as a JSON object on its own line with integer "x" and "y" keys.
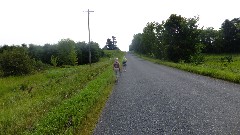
{"x": 116, "y": 68}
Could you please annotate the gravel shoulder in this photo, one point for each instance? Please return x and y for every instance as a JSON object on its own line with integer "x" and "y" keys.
{"x": 155, "y": 99}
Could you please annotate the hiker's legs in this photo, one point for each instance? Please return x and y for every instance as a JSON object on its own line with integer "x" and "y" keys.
{"x": 125, "y": 67}
{"x": 116, "y": 73}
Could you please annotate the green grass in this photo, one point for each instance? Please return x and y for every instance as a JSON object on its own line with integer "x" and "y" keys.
{"x": 55, "y": 101}
{"x": 67, "y": 117}
{"x": 88, "y": 125}
{"x": 212, "y": 67}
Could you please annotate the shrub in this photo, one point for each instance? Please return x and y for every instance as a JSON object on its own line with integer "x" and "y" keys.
{"x": 16, "y": 61}
{"x": 198, "y": 57}
{"x": 39, "y": 65}
{"x": 54, "y": 60}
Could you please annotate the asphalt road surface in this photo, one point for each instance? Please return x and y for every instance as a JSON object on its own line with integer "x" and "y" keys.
{"x": 154, "y": 99}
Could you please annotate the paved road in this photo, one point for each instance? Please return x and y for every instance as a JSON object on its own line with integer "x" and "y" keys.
{"x": 154, "y": 99}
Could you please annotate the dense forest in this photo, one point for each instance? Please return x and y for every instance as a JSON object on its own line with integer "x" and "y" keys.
{"x": 180, "y": 39}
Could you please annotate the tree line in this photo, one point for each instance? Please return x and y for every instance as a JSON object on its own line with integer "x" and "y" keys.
{"x": 21, "y": 60}
{"x": 180, "y": 39}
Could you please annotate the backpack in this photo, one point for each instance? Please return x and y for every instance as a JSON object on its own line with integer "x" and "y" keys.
{"x": 116, "y": 65}
{"x": 125, "y": 60}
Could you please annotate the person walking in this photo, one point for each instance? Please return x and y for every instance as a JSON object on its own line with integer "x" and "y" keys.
{"x": 124, "y": 62}
{"x": 116, "y": 68}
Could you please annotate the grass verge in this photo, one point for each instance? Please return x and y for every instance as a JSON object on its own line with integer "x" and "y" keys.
{"x": 68, "y": 117}
{"x": 212, "y": 67}
{"x": 91, "y": 120}
{"x": 25, "y": 100}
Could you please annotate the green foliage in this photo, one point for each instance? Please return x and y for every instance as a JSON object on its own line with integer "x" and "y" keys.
{"x": 82, "y": 50}
{"x": 96, "y": 52}
{"x": 48, "y": 52}
{"x": 54, "y": 60}
{"x": 231, "y": 35}
{"x": 111, "y": 45}
{"x": 149, "y": 39}
{"x": 176, "y": 39}
{"x": 150, "y": 42}
{"x": 210, "y": 38}
{"x": 43, "y": 53}
{"x": 136, "y": 43}
{"x": 36, "y": 52}
{"x": 198, "y": 57}
{"x": 66, "y": 52}
{"x": 15, "y": 61}
{"x": 225, "y": 40}
{"x": 40, "y": 66}
{"x": 229, "y": 58}
{"x": 181, "y": 37}
{"x": 161, "y": 47}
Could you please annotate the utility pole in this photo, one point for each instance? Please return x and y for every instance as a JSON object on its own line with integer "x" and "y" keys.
{"x": 89, "y": 49}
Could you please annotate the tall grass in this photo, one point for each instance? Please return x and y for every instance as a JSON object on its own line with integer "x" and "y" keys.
{"x": 33, "y": 96}
{"x": 212, "y": 66}
{"x": 67, "y": 117}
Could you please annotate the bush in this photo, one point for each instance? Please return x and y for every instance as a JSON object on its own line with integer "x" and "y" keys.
{"x": 96, "y": 52}
{"x": 15, "y": 61}
{"x": 54, "y": 60}
{"x": 40, "y": 66}
{"x": 198, "y": 57}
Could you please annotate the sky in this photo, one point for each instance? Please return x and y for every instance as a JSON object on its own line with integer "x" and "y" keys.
{"x": 48, "y": 21}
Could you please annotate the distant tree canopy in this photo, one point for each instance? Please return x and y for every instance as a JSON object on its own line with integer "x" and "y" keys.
{"x": 137, "y": 43}
{"x": 20, "y": 60}
{"x": 176, "y": 39}
{"x": 231, "y": 35}
{"x": 181, "y": 36}
{"x": 82, "y": 49}
{"x": 111, "y": 45}
{"x": 66, "y": 52}
{"x": 180, "y": 39}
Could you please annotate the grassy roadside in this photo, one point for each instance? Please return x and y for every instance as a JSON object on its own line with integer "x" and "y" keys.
{"x": 68, "y": 117}
{"x": 212, "y": 67}
{"x": 30, "y": 98}
{"x": 88, "y": 125}
{"x": 29, "y": 102}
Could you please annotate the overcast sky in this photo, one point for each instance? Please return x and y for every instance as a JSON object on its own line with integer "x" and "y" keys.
{"x": 48, "y": 21}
